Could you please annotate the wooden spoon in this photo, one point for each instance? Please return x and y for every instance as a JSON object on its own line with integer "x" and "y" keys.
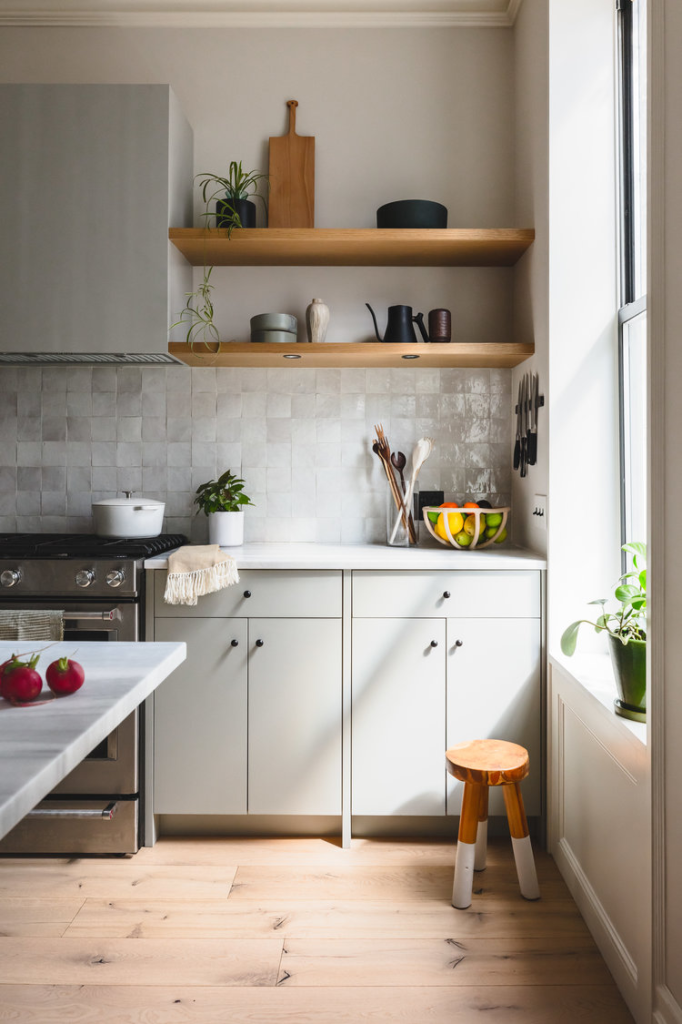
{"x": 399, "y": 461}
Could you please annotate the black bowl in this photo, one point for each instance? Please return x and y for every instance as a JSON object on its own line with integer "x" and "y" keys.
{"x": 412, "y": 213}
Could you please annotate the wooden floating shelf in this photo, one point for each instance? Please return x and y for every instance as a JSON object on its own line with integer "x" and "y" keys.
{"x": 352, "y": 247}
{"x": 368, "y": 354}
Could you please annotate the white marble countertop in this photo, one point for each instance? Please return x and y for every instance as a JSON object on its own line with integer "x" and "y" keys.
{"x": 41, "y": 743}
{"x": 372, "y": 556}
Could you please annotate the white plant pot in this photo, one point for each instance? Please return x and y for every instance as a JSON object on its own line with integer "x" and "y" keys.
{"x": 226, "y": 529}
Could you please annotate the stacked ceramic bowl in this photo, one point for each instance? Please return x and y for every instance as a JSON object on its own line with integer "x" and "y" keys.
{"x": 269, "y": 327}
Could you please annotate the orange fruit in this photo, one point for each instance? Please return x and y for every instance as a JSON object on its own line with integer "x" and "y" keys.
{"x": 449, "y": 504}
{"x": 471, "y": 504}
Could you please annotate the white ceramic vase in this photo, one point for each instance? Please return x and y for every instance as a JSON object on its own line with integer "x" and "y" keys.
{"x": 226, "y": 529}
{"x": 317, "y": 320}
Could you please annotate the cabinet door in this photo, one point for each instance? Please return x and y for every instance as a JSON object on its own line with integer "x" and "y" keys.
{"x": 295, "y": 716}
{"x": 200, "y": 720}
{"x": 494, "y": 692}
{"x": 398, "y": 716}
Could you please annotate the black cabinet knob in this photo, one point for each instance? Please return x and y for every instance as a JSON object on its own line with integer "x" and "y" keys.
{"x": 434, "y": 643}
{"x": 247, "y": 593}
{"x": 446, "y": 594}
{"x": 234, "y": 643}
{"x": 259, "y": 643}
{"x": 458, "y": 643}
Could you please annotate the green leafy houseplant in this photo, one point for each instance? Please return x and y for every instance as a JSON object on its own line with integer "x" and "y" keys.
{"x": 226, "y": 494}
{"x": 238, "y": 185}
{"x": 626, "y": 630}
{"x": 198, "y": 314}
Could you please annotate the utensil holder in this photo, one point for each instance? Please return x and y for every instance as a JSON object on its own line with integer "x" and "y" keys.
{"x": 402, "y": 536}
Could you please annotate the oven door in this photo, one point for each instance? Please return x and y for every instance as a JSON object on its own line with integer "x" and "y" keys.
{"x": 95, "y": 809}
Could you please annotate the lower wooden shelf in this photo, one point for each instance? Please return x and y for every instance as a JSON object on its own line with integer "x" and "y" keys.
{"x": 368, "y": 354}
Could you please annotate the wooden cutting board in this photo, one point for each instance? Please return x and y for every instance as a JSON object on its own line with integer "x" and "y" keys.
{"x": 292, "y": 178}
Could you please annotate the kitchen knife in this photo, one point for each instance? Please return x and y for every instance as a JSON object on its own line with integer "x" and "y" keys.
{"x": 524, "y": 440}
{"x": 517, "y": 445}
{"x": 529, "y": 402}
{"x": 533, "y": 436}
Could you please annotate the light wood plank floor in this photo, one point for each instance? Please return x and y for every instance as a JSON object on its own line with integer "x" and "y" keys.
{"x": 293, "y": 931}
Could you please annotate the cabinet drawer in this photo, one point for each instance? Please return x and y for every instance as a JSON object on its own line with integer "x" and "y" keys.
{"x": 282, "y": 594}
{"x": 472, "y": 594}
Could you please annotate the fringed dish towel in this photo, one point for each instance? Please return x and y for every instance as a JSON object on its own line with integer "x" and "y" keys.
{"x": 31, "y": 625}
{"x": 195, "y": 570}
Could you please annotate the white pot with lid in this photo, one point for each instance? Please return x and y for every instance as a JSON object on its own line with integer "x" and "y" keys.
{"x": 128, "y": 517}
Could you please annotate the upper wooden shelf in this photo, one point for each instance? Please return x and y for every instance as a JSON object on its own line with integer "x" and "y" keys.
{"x": 352, "y": 247}
{"x": 368, "y": 354}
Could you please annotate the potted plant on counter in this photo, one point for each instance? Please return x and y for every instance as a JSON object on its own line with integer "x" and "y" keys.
{"x": 223, "y": 501}
{"x": 626, "y": 630}
{"x": 234, "y": 208}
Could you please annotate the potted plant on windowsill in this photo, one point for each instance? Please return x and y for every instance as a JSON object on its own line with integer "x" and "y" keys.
{"x": 626, "y": 630}
{"x": 223, "y": 501}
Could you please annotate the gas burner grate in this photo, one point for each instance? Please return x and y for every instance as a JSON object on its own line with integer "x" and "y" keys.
{"x": 77, "y": 545}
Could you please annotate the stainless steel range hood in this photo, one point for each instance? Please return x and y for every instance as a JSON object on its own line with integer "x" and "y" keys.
{"x": 91, "y": 178}
{"x": 85, "y": 358}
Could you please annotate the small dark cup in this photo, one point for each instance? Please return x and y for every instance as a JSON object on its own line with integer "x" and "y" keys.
{"x": 440, "y": 325}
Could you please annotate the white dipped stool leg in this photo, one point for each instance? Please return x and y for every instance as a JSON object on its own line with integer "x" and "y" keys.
{"x": 466, "y": 846}
{"x": 523, "y": 851}
{"x": 482, "y": 832}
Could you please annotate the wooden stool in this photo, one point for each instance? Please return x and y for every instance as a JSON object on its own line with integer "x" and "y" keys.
{"x": 480, "y": 764}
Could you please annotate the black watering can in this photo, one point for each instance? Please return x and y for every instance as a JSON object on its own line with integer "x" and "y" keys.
{"x": 399, "y": 325}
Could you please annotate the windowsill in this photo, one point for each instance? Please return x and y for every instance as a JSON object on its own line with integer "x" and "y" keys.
{"x": 594, "y": 673}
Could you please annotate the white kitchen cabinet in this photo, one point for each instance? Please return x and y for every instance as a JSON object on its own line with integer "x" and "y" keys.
{"x": 494, "y": 691}
{"x": 91, "y": 177}
{"x": 254, "y": 728}
{"x": 294, "y": 716}
{"x": 398, "y": 742}
{"x": 470, "y": 593}
{"x": 200, "y": 719}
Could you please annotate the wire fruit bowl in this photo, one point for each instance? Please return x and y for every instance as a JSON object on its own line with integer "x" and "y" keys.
{"x": 478, "y": 531}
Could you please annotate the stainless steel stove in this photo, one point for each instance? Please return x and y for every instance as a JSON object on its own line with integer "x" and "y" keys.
{"x": 99, "y": 585}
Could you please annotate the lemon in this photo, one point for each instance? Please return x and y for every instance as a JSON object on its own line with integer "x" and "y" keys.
{"x": 503, "y": 536}
{"x": 455, "y": 522}
{"x": 464, "y": 539}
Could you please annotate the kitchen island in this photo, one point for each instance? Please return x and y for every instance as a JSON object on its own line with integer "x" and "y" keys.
{"x": 42, "y": 742}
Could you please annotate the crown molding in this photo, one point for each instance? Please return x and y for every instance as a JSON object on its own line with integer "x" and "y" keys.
{"x": 272, "y": 14}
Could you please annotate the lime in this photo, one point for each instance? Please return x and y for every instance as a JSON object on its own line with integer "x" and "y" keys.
{"x": 455, "y": 522}
{"x": 433, "y": 516}
{"x": 464, "y": 539}
{"x": 503, "y": 536}
{"x": 494, "y": 519}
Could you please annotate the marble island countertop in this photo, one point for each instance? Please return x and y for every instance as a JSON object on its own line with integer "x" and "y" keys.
{"x": 39, "y": 745}
{"x": 373, "y": 556}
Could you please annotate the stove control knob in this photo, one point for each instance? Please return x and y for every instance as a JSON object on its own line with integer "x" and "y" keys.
{"x": 116, "y": 577}
{"x": 84, "y": 577}
{"x": 9, "y": 577}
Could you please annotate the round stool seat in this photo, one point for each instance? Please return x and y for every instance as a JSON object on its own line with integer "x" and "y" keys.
{"x": 488, "y": 762}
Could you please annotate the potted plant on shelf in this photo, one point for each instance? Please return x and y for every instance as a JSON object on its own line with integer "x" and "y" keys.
{"x": 626, "y": 630}
{"x": 234, "y": 209}
{"x": 222, "y": 500}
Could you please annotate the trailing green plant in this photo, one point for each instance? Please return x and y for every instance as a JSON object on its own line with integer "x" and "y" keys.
{"x": 226, "y": 494}
{"x": 628, "y": 622}
{"x": 198, "y": 314}
{"x": 239, "y": 184}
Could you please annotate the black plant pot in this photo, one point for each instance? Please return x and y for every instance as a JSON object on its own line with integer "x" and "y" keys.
{"x": 629, "y": 667}
{"x": 224, "y": 208}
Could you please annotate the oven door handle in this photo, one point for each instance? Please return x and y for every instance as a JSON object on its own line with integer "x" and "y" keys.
{"x": 72, "y": 814}
{"x": 108, "y": 616}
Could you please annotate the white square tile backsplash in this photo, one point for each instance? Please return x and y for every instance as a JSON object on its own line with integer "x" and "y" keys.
{"x": 300, "y": 438}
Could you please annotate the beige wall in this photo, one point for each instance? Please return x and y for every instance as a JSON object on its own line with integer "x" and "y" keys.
{"x": 531, "y": 307}
{"x": 396, "y": 114}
